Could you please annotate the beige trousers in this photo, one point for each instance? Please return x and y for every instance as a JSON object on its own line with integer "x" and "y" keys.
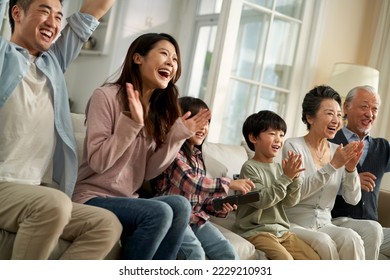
{"x": 287, "y": 247}
{"x": 41, "y": 215}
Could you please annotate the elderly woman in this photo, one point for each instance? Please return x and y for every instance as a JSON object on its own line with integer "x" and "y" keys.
{"x": 330, "y": 170}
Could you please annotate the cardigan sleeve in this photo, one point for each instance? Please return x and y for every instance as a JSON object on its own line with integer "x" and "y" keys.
{"x": 164, "y": 156}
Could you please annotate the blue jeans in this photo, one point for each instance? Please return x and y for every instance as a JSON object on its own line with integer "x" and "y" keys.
{"x": 152, "y": 228}
{"x": 206, "y": 240}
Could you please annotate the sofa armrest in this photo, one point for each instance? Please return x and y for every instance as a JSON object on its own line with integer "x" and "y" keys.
{"x": 384, "y": 208}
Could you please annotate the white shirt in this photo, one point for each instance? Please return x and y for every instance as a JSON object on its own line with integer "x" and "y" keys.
{"x": 27, "y": 131}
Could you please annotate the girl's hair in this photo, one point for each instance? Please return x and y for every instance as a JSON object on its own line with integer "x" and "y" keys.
{"x": 193, "y": 105}
{"x": 312, "y": 101}
{"x": 163, "y": 108}
{"x": 25, "y": 4}
{"x": 260, "y": 122}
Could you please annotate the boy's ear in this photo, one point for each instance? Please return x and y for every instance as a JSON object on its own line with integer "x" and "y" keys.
{"x": 252, "y": 138}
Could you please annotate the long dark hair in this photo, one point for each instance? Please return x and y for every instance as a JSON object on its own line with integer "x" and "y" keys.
{"x": 163, "y": 108}
{"x": 193, "y": 105}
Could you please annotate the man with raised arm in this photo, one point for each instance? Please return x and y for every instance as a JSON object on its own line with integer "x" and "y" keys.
{"x": 37, "y": 146}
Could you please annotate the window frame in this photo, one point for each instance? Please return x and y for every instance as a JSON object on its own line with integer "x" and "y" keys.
{"x": 220, "y": 69}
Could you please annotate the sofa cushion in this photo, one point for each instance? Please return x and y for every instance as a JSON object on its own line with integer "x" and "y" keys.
{"x": 244, "y": 249}
{"x": 384, "y": 207}
{"x": 231, "y": 157}
{"x": 79, "y": 130}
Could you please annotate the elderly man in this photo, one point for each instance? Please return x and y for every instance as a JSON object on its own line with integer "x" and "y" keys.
{"x": 361, "y": 107}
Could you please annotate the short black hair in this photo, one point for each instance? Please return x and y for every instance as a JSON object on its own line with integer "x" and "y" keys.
{"x": 312, "y": 101}
{"x": 260, "y": 122}
{"x": 25, "y": 4}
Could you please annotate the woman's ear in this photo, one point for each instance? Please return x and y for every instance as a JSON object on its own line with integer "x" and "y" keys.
{"x": 137, "y": 58}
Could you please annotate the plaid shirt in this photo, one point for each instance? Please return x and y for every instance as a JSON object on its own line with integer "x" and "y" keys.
{"x": 181, "y": 178}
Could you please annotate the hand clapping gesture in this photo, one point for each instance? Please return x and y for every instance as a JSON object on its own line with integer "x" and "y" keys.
{"x": 136, "y": 109}
{"x": 292, "y": 165}
{"x": 347, "y": 156}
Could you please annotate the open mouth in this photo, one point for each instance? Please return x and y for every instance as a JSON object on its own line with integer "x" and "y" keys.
{"x": 366, "y": 122}
{"x": 276, "y": 147}
{"x": 47, "y": 34}
{"x": 164, "y": 72}
{"x": 199, "y": 134}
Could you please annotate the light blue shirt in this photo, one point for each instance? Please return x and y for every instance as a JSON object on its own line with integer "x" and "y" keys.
{"x": 53, "y": 63}
{"x": 351, "y": 136}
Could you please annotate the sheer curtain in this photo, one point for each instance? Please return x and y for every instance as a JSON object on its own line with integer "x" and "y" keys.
{"x": 380, "y": 59}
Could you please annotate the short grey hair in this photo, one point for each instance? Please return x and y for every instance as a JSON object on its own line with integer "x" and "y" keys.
{"x": 351, "y": 94}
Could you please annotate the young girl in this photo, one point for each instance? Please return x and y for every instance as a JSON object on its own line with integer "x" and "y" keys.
{"x": 187, "y": 176}
{"x": 134, "y": 131}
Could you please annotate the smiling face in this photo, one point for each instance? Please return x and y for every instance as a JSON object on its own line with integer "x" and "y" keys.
{"x": 327, "y": 120}
{"x": 199, "y": 136}
{"x": 158, "y": 67}
{"x": 361, "y": 112}
{"x": 267, "y": 144}
{"x": 36, "y": 28}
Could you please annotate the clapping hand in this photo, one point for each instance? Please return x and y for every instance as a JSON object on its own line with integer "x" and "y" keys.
{"x": 136, "y": 109}
{"x": 344, "y": 154}
{"x": 351, "y": 164}
{"x": 292, "y": 165}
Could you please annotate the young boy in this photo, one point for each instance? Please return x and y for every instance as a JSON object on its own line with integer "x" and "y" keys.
{"x": 264, "y": 223}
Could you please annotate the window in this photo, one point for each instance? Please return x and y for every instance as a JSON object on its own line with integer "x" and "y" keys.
{"x": 205, "y": 30}
{"x": 248, "y": 61}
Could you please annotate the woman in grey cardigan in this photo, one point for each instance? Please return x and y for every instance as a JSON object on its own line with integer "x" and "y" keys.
{"x": 330, "y": 169}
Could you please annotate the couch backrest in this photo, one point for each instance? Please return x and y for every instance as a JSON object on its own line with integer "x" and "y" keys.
{"x": 79, "y": 132}
{"x": 223, "y": 159}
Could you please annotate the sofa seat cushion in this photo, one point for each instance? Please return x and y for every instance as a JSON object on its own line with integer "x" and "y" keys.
{"x": 244, "y": 249}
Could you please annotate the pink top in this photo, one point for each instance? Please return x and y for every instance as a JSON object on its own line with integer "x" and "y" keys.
{"x": 118, "y": 155}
